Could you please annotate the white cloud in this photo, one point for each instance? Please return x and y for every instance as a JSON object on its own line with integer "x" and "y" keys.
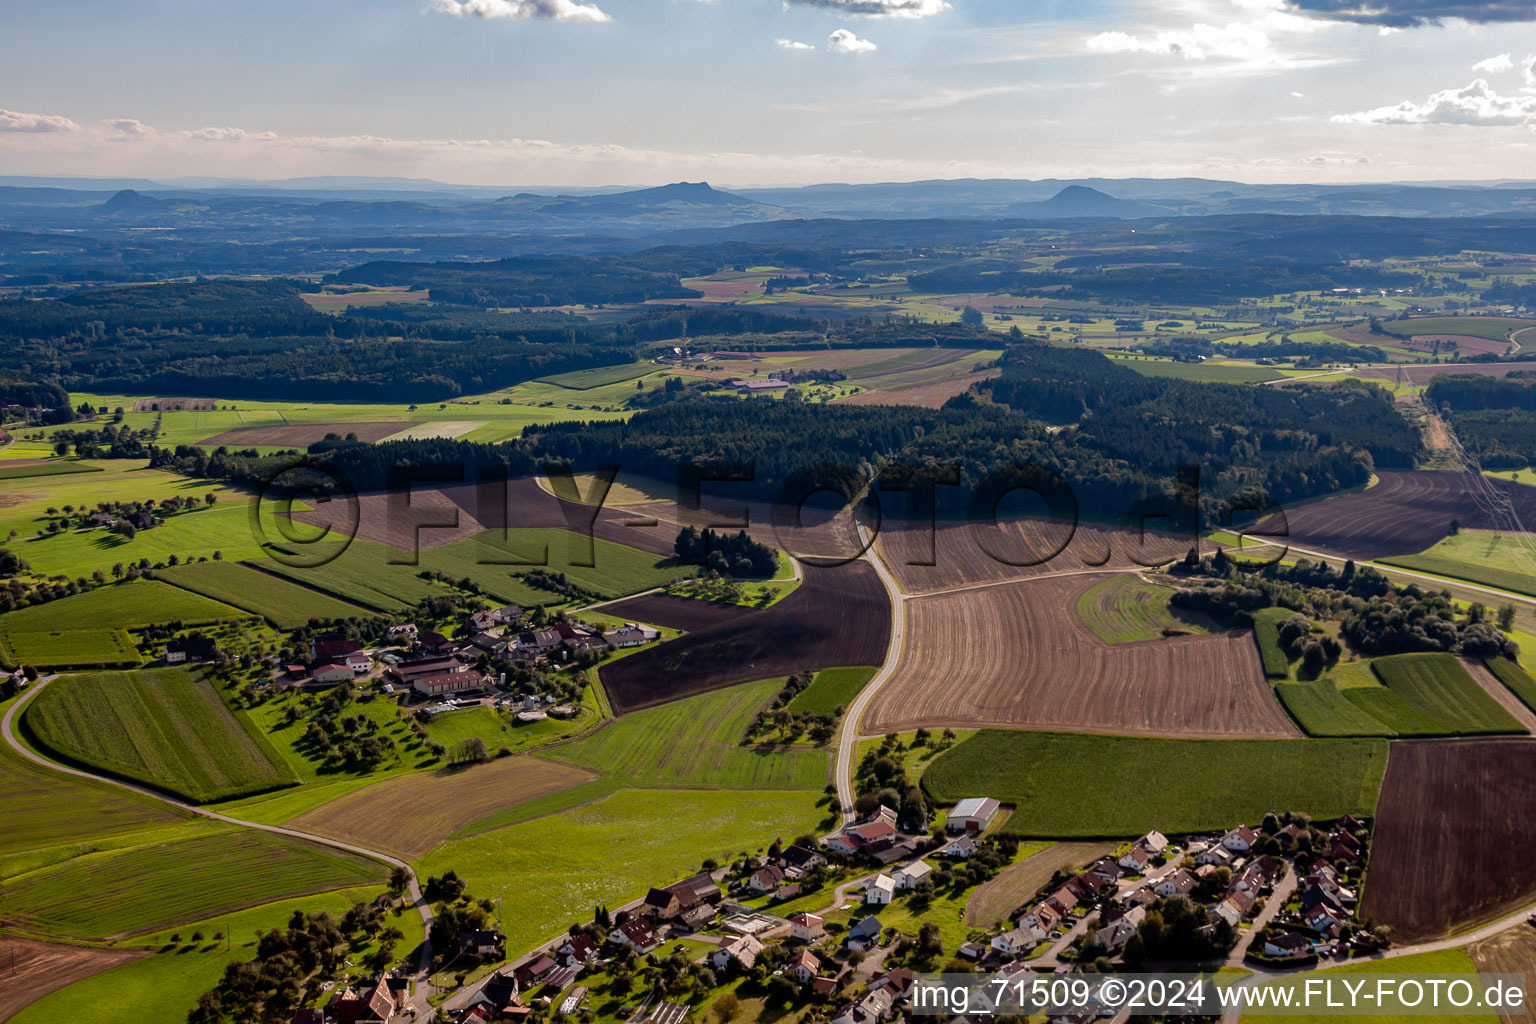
{"x": 1494, "y": 65}
{"x": 1476, "y": 104}
{"x": 35, "y": 124}
{"x": 793, "y": 44}
{"x": 521, "y": 10}
{"x": 1528, "y": 69}
{"x": 879, "y": 8}
{"x": 1200, "y": 42}
{"x": 844, "y": 41}
{"x": 129, "y": 128}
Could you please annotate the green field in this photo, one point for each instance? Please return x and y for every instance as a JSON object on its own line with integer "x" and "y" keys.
{"x": 165, "y": 986}
{"x": 1125, "y": 609}
{"x": 123, "y": 892}
{"x": 584, "y": 380}
{"x": 1138, "y": 783}
{"x": 1266, "y": 630}
{"x": 285, "y": 605}
{"x": 1493, "y": 328}
{"x": 1519, "y": 681}
{"x": 369, "y": 574}
{"x": 165, "y": 728}
{"x": 61, "y": 468}
{"x": 1477, "y": 556}
{"x": 119, "y": 606}
{"x": 613, "y": 849}
{"x": 1224, "y": 373}
{"x": 1438, "y": 688}
{"x": 1323, "y": 708}
{"x": 696, "y": 743}
{"x": 68, "y": 648}
{"x": 1424, "y": 965}
{"x": 833, "y": 688}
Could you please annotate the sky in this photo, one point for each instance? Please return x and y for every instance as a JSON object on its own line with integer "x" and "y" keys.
{"x": 770, "y": 92}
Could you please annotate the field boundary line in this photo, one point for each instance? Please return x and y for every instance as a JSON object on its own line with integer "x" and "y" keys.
{"x": 7, "y": 731}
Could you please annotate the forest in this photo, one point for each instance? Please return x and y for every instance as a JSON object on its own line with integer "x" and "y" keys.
{"x": 1494, "y": 417}
{"x": 562, "y": 281}
{"x": 1179, "y": 286}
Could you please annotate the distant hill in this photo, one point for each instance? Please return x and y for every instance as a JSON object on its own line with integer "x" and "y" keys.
{"x": 1082, "y": 201}
{"x": 129, "y": 203}
{"x": 681, "y": 193}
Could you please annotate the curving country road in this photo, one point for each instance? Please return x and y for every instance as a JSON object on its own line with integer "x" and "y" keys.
{"x": 421, "y": 990}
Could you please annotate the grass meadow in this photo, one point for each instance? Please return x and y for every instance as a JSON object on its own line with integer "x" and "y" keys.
{"x": 833, "y": 688}
{"x": 285, "y": 605}
{"x": 1075, "y": 786}
{"x": 166, "y": 728}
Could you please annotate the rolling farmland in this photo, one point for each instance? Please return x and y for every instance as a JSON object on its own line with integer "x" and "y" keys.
{"x": 837, "y": 616}
{"x": 1041, "y": 667}
{"x": 283, "y": 604}
{"x": 119, "y": 606}
{"x": 832, "y": 688}
{"x": 434, "y": 803}
{"x": 1169, "y": 784}
{"x": 1452, "y": 831}
{"x": 1439, "y": 688}
{"x": 165, "y": 728}
{"x": 1125, "y": 609}
{"x": 123, "y": 892}
{"x": 68, "y": 648}
{"x": 1477, "y": 556}
{"x": 35, "y": 969}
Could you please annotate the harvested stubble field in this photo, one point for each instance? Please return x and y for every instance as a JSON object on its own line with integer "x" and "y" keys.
{"x": 299, "y": 435}
{"x": 1454, "y": 827}
{"x": 999, "y": 897}
{"x": 34, "y": 969}
{"x": 958, "y": 553}
{"x": 165, "y": 728}
{"x": 1420, "y": 375}
{"x": 1018, "y": 655}
{"x": 1405, "y": 513}
{"x": 929, "y": 396}
{"x": 126, "y": 892}
{"x": 1068, "y": 786}
{"x": 412, "y": 815}
{"x": 837, "y": 616}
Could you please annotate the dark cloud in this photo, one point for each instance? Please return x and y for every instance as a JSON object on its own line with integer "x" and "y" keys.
{"x": 1414, "y": 13}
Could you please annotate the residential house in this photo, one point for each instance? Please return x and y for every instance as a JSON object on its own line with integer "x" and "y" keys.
{"x": 863, "y": 839}
{"x": 378, "y": 1003}
{"x": 507, "y": 615}
{"x": 898, "y": 982}
{"x": 974, "y": 815}
{"x": 864, "y": 935}
{"x": 480, "y": 943}
{"x": 535, "y": 972}
{"x": 1136, "y": 860}
{"x": 1240, "y": 839}
{"x": 663, "y": 904}
{"x": 1180, "y": 883}
{"x": 910, "y": 876}
{"x": 332, "y": 646}
{"x": 404, "y": 633}
{"x": 579, "y": 951}
{"x": 487, "y": 643}
{"x": 1114, "y": 935}
{"x": 1325, "y": 920}
{"x": 806, "y": 928}
{"x": 1105, "y": 872}
{"x": 631, "y": 634}
{"x": 637, "y": 933}
{"x": 1217, "y": 856}
{"x": 804, "y": 966}
{"x": 880, "y": 891}
{"x": 960, "y": 848}
{"x": 766, "y": 879}
{"x": 1018, "y": 941}
{"x": 743, "y": 949}
{"x": 498, "y": 999}
{"x": 1287, "y": 944}
{"x": 1042, "y": 917}
{"x": 873, "y": 1008}
{"x": 189, "y": 649}
{"x": 1154, "y": 842}
{"x": 434, "y": 643}
{"x": 799, "y": 859}
{"x": 702, "y": 885}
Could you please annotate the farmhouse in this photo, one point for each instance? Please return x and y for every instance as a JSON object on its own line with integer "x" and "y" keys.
{"x": 864, "y": 839}
{"x": 189, "y": 649}
{"x": 973, "y": 815}
{"x": 409, "y": 671}
{"x": 960, "y": 848}
{"x": 910, "y": 876}
{"x": 332, "y": 645}
{"x": 880, "y": 891}
{"x": 450, "y": 682}
{"x": 499, "y": 999}
{"x": 766, "y": 879}
{"x": 535, "y": 972}
{"x": 799, "y": 859}
{"x": 743, "y": 949}
{"x": 330, "y": 673}
{"x": 751, "y": 386}
{"x": 636, "y": 932}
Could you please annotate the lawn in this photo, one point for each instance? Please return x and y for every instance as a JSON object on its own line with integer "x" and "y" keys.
{"x": 124, "y": 892}
{"x": 610, "y": 851}
{"x": 68, "y": 648}
{"x": 832, "y": 690}
{"x": 165, "y": 986}
{"x": 166, "y": 728}
{"x": 696, "y": 743}
{"x": 131, "y": 605}
{"x": 1073, "y": 786}
{"x": 1436, "y": 688}
{"x": 1125, "y": 609}
{"x": 1519, "y": 681}
{"x": 1477, "y": 556}
{"x": 285, "y": 605}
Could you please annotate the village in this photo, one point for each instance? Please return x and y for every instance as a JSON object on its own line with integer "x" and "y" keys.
{"x": 1281, "y": 894}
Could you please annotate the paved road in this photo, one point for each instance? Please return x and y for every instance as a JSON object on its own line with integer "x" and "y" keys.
{"x": 422, "y": 988}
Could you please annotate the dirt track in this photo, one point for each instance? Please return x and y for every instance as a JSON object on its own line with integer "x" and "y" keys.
{"x": 1018, "y": 655}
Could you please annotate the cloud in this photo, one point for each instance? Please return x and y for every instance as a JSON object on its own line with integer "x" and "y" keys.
{"x": 129, "y": 128}
{"x": 1476, "y": 104}
{"x": 879, "y": 8}
{"x": 521, "y": 10}
{"x": 35, "y": 124}
{"x": 1528, "y": 69}
{"x": 844, "y": 41}
{"x": 793, "y": 44}
{"x": 1200, "y": 42}
{"x": 1416, "y": 13}
{"x": 1494, "y": 65}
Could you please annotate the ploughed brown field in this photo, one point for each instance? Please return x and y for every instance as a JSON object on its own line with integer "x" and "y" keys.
{"x": 1018, "y": 655}
{"x": 928, "y": 396}
{"x": 296, "y": 435}
{"x": 682, "y": 613}
{"x": 966, "y": 553}
{"x": 1423, "y": 374}
{"x": 1509, "y": 952}
{"x": 1406, "y": 512}
{"x": 32, "y": 969}
{"x": 838, "y": 616}
{"x": 1454, "y": 829}
{"x": 434, "y": 804}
